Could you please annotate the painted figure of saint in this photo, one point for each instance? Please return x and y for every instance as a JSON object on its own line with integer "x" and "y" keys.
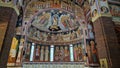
{"x": 42, "y": 54}
{"x": 80, "y": 56}
{"x": 94, "y": 51}
{"x": 19, "y": 55}
{"x": 61, "y": 55}
{"x": 37, "y": 34}
{"x": 37, "y": 53}
{"x": 48, "y": 37}
{"x": 67, "y": 54}
{"x": 78, "y": 33}
{"x": 27, "y": 55}
{"x": 46, "y": 53}
{"x": 75, "y": 53}
{"x": 57, "y": 51}
{"x": 89, "y": 53}
{"x": 60, "y": 38}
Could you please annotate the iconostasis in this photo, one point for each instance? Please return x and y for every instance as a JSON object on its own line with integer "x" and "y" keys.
{"x": 52, "y": 31}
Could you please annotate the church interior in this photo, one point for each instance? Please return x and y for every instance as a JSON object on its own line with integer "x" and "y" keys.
{"x": 59, "y": 33}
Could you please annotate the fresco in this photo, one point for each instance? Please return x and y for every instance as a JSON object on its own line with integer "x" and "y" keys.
{"x": 53, "y": 31}
{"x": 54, "y": 20}
{"x": 99, "y": 8}
{"x": 94, "y": 9}
{"x": 41, "y": 53}
{"x": 104, "y": 8}
{"x": 61, "y": 54}
{"x": 92, "y": 51}
{"x": 115, "y": 11}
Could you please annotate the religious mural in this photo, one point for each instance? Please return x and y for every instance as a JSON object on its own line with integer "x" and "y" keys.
{"x": 54, "y": 20}
{"x": 99, "y": 8}
{"x": 92, "y": 51}
{"x": 78, "y": 53}
{"x": 39, "y": 35}
{"x": 61, "y": 54}
{"x": 37, "y": 53}
{"x": 104, "y": 8}
{"x": 54, "y": 31}
{"x": 94, "y": 9}
{"x": 115, "y": 11}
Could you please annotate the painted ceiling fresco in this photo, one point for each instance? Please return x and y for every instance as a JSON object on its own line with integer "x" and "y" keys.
{"x": 54, "y": 20}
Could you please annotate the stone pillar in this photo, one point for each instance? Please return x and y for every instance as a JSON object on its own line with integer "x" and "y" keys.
{"x": 10, "y": 16}
{"x": 107, "y": 43}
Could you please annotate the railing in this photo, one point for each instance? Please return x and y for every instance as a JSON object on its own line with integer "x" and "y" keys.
{"x": 54, "y": 65}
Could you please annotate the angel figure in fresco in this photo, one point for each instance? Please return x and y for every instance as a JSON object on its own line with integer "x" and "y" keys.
{"x": 48, "y": 37}
{"x": 44, "y": 37}
{"x": 37, "y": 53}
{"x": 75, "y": 52}
{"x": 79, "y": 56}
{"x": 31, "y": 31}
{"x": 46, "y": 53}
{"x": 94, "y": 51}
{"x": 67, "y": 54}
{"x": 94, "y": 13}
{"x": 57, "y": 51}
{"x": 37, "y": 34}
{"x": 44, "y": 18}
{"x": 104, "y": 9}
{"x": 73, "y": 35}
{"x": 42, "y": 53}
{"x": 67, "y": 21}
{"x": 61, "y": 53}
